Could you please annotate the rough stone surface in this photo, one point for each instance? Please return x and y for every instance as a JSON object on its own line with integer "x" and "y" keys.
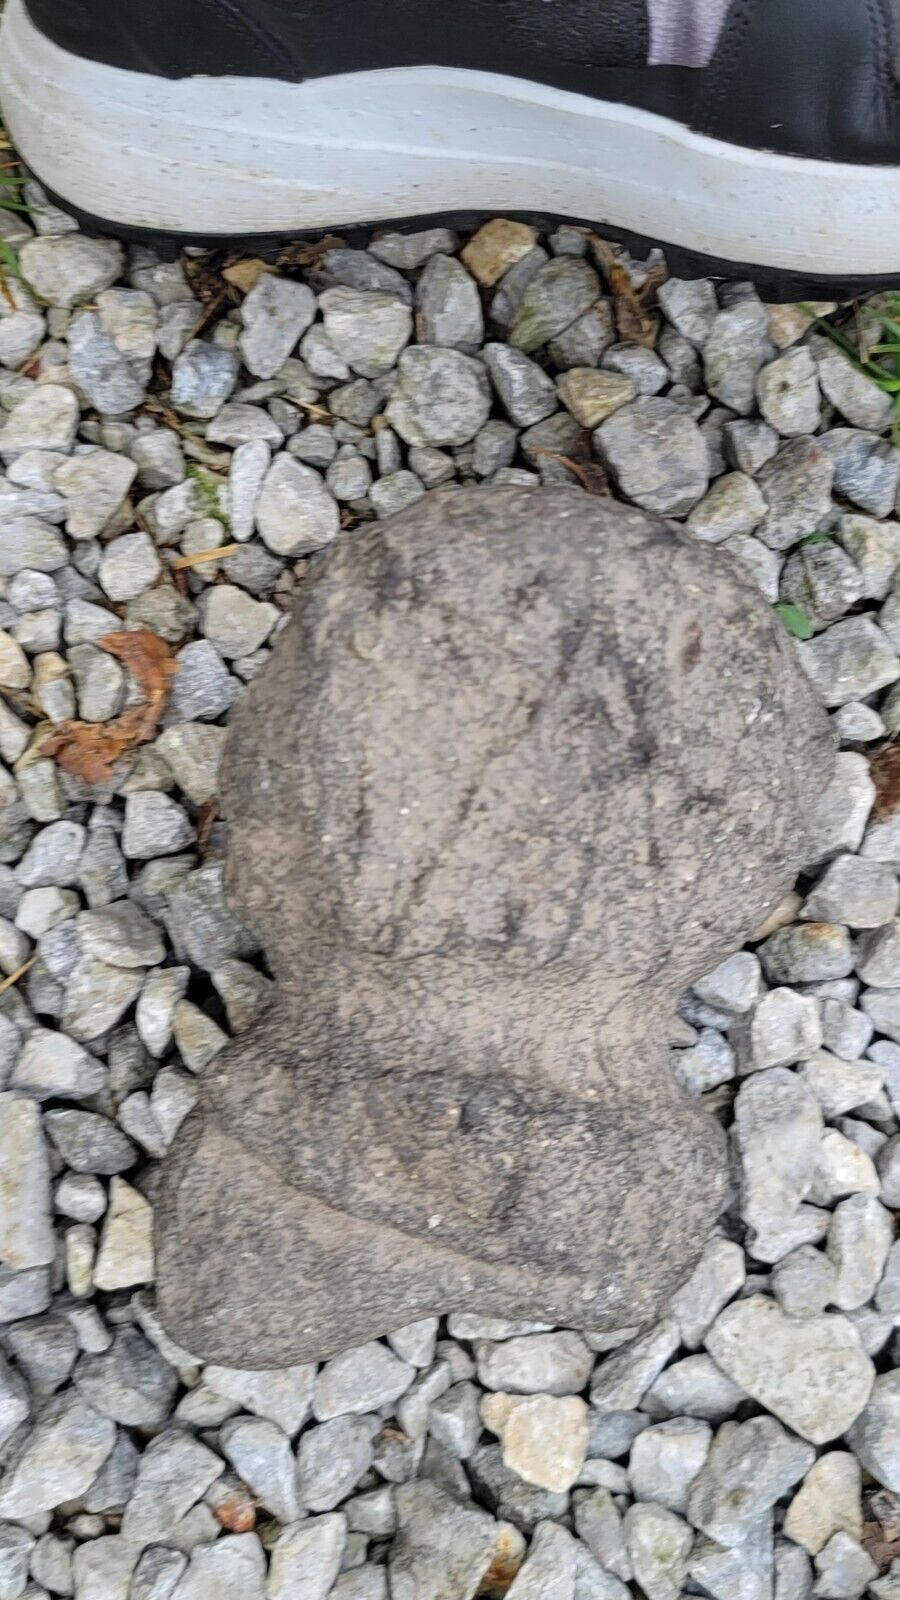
{"x": 442, "y": 397}
{"x": 777, "y": 1134}
{"x": 361, "y": 1379}
{"x": 750, "y": 1466}
{"x": 658, "y": 1543}
{"x": 665, "y": 1460}
{"x": 57, "y": 1461}
{"x": 814, "y": 1375}
{"x": 657, "y": 455}
{"x": 548, "y": 1363}
{"x": 331, "y": 1460}
{"x": 126, "y": 1246}
{"x": 295, "y": 513}
{"x": 175, "y": 1470}
{"x": 67, "y": 269}
{"x": 442, "y": 1549}
{"x": 367, "y": 329}
{"x": 875, "y": 1435}
{"x": 306, "y": 1558}
{"x": 275, "y": 313}
{"x": 828, "y": 1501}
{"x": 466, "y": 896}
{"x": 26, "y": 1232}
{"x": 110, "y": 501}
{"x": 543, "y": 1437}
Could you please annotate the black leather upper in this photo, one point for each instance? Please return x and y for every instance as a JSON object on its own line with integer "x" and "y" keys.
{"x": 806, "y": 77}
{"x": 546, "y": 39}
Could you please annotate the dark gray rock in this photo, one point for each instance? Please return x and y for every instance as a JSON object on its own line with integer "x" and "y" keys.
{"x": 391, "y": 1178}
{"x": 657, "y": 455}
{"x": 130, "y": 1382}
{"x": 357, "y": 269}
{"x": 106, "y": 378}
{"x": 736, "y": 348}
{"x": 866, "y": 468}
{"x": 796, "y": 486}
{"x": 508, "y": 1495}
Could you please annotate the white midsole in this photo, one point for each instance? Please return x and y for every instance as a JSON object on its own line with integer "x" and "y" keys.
{"x": 253, "y": 155}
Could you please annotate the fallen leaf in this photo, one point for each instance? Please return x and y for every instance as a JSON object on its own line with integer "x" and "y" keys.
{"x": 206, "y": 816}
{"x": 589, "y": 472}
{"x": 878, "y": 1543}
{"x": 237, "y": 1513}
{"x": 885, "y": 770}
{"x": 205, "y": 276}
{"x": 244, "y": 275}
{"x": 635, "y": 319}
{"x": 6, "y": 291}
{"x": 168, "y": 416}
{"x": 505, "y": 1563}
{"x": 88, "y": 750}
{"x": 147, "y": 657}
{"x": 34, "y": 750}
{"x": 883, "y": 1505}
{"x": 306, "y": 253}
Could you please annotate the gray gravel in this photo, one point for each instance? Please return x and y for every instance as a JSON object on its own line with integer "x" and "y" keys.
{"x": 746, "y": 1446}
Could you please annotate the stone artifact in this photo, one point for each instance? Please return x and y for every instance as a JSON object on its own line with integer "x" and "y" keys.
{"x": 523, "y": 764}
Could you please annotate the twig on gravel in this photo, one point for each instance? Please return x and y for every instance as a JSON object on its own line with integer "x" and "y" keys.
{"x": 199, "y": 556}
{"x": 19, "y": 973}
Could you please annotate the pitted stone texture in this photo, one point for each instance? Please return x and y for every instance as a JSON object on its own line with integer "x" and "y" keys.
{"x": 462, "y": 714}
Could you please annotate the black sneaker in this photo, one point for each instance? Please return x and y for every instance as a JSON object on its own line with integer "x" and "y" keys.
{"x": 760, "y": 137}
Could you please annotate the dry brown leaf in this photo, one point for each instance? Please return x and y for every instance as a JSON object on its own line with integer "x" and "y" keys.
{"x": 237, "y": 1513}
{"x": 884, "y": 1506}
{"x": 885, "y": 770}
{"x": 589, "y": 472}
{"x": 306, "y": 253}
{"x": 207, "y": 814}
{"x": 878, "y": 1543}
{"x": 506, "y": 1561}
{"x": 34, "y": 750}
{"x": 635, "y": 320}
{"x": 204, "y": 274}
{"x": 244, "y": 275}
{"x": 147, "y": 657}
{"x": 6, "y": 291}
{"x": 88, "y": 750}
{"x": 152, "y": 403}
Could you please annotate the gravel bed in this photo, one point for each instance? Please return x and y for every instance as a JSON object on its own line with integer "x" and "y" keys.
{"x": 747, "y": 1447}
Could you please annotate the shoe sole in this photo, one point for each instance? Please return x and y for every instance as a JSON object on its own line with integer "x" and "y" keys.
{"x": 215, "y": 160}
